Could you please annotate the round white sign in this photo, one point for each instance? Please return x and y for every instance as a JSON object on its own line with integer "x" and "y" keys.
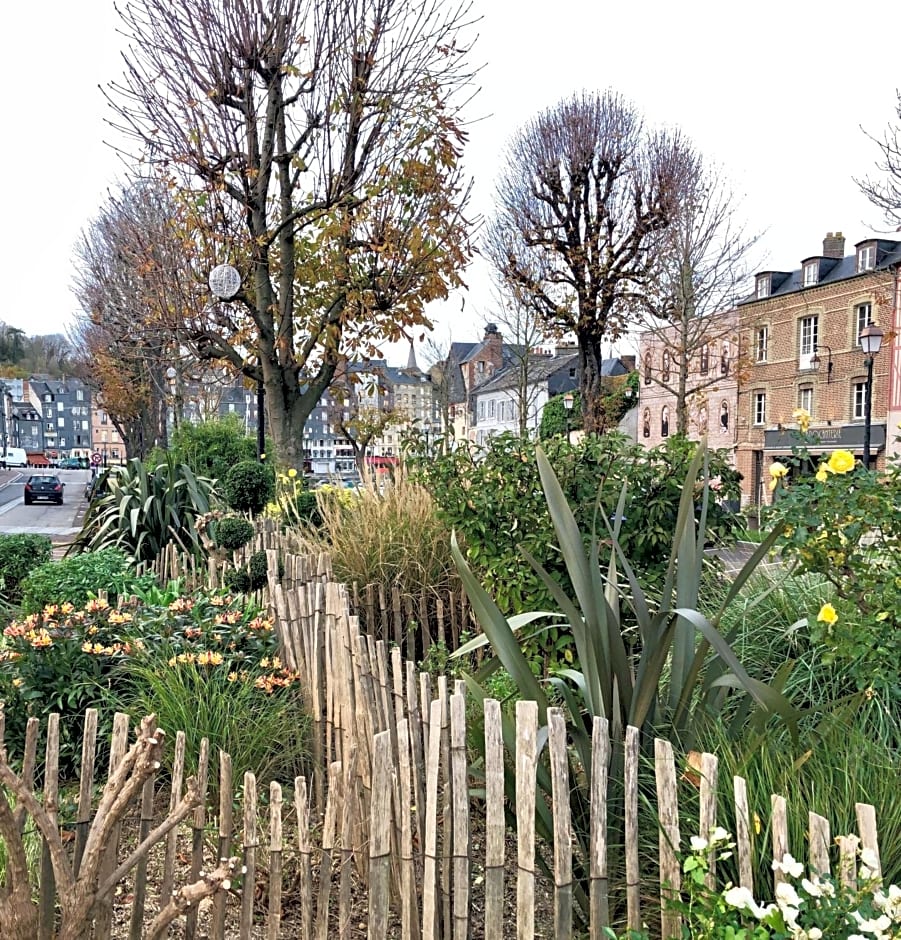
{"x": 225, "y": 281}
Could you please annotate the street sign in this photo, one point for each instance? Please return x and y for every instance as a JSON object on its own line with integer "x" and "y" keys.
{"x": 96, "y": 458}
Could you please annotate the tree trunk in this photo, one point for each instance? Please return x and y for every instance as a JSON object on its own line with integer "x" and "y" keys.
{"x": 18, "y": 913}
{"x": 591, "y": 359}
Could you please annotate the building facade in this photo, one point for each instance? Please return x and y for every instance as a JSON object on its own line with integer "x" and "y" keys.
{"x": 713, "y": 364}
{"x": 802, "y": 331}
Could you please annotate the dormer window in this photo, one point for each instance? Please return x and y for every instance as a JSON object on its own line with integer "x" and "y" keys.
{"x": 763, "y": 286}
{"x": 866, "y": 258}
{"x": 811, "y": 273}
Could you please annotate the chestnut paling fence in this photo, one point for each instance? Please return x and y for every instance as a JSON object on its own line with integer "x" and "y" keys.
{"x": 386, "y": 833}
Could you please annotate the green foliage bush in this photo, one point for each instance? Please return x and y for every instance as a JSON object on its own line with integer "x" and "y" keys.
{"x": 143, "y": 511}
{"x": 233, "y": 533}
{"x": 77, "y": 578}
{"x": 494, "y": 502}
{"x": 249, "y": 486}
{"x": 210, "y": 448}
{"x": 20, "y": 555}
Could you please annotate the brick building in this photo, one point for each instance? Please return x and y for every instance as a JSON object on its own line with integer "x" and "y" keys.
{"x": 711, "y": 382}
{"x": 801, "y": 330}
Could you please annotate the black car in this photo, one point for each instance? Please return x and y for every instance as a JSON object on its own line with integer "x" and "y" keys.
{"x": 43, "y": 486}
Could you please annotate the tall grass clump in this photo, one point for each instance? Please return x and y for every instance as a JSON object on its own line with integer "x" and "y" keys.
{"x": 263, "y": 732}
{"x": 384, "y": 533}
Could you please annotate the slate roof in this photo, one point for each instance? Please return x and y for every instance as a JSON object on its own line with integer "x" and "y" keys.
{"x": 543, "y": 367}
{"x": 832, "y": 270}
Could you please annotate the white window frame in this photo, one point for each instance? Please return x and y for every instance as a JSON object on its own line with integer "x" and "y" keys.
{"x": 763, "y": 287}
{"x": 866, "y": 258}
{"x": 811, "y": 273}
{"x": 492, "y": 408}
{"x": 805, "y": 398}
{"x": 808, "y": 338}
{"x": 759, "y": 409}
{"x": 867, "y": 310}
{"x": 481, "y": 410}
{"x": 761, "y": 343}
{"x": 858, "y": 401}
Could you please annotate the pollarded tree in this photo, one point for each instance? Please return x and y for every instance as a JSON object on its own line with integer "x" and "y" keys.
{"x": 697, "y": 265}
{"x": 583, "y": 191}
{"x": 315, "y": 144}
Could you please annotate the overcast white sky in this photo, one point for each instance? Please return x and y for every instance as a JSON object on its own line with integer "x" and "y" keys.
{"x": 776, "y": 93}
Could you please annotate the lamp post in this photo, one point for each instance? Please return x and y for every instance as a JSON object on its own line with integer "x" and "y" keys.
{"x": 870, "y": 341}
{"x": 567, "y": 408}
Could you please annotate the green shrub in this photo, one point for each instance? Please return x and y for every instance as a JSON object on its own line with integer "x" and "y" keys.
{"x": 210, "y": 448}
{"x": 249, "y": 486}
{"x": 494, "y": 502}
{"x": 238, "y": 580}
{"x": 233, "y": 533}
{"x": 20, "y": 555}
{"x": 77, "y": 578}
{"x": 258, "y": 570}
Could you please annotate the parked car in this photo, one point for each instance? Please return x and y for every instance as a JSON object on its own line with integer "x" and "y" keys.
{"x": 70, "y": 463}
{"x": 44, "y": 486}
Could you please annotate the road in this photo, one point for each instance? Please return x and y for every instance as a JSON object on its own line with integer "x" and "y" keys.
{"x": 58, "y": 522}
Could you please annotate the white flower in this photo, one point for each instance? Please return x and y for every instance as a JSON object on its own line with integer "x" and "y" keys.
{"x": 813, "y": 889}
{"x": 743, "y": 900}
{"x": 698, "y": 844}
{"x": 788, "y": 901}
{"x": 814, "y": 934}
{"x": 719, "y": 835}
{"x": 788, "y": 866}
{"x": 874, "y": 925}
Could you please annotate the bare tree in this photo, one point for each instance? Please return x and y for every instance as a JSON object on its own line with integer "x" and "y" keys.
{"x": 697, "y": 265}
{"x": 885, "y": 192}
{"x": 524, "y": 332}
{"x": 583, "y": 190}
{"x": 315, "y": 144}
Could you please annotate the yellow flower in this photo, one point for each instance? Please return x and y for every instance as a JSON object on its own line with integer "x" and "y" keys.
{"x": 827, "y": 614}
{"x": 841, "y": 461}
{"x": 292, "y": 473}
{"x": 778, "y": 470}
{"x": 802, "y": 416}
{"x": 822, "y": 475}
{"x": 18, "y": 682}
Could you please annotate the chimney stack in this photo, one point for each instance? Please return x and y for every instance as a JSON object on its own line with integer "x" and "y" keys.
{"x": 834, "y": 245}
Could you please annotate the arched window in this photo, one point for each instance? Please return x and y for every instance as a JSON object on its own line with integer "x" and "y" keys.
{"x": 647, "y": 368}
{"x": 646, "y": 423}
{"x": 664, "y": 422}
{"x": 724, "y": 360}
{"x": 724, "y": 417}
{"x": 705, "y": 359}
{"x": 666, "y": 366}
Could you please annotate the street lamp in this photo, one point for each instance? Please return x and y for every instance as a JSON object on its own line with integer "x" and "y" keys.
{"x": 567, "y": 408}
{"x": 816, "y": 361}
{"x": 870, "y": 341}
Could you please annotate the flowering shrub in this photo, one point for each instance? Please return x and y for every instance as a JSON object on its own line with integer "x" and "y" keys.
{"x": 844, "y": 524}
{"x": 805, "y": 908}
{"x": 65, "y": 660}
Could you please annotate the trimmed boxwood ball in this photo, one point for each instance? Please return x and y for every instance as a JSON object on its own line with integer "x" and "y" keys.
{"x": 258, "y": 568}
{"x": 233, "y": 533}
{"x": 238, "y": 580}
{"x": 249, "y": 486}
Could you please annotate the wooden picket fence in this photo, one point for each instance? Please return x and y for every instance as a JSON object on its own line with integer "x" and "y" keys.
{"x": 395, "y": 845}
{"x": 393, "y": 833}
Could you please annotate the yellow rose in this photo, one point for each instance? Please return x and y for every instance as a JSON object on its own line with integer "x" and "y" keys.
{"x": 827, "y": 614}
{"x": 822, "y": 475}
{"x": 802, "y": 416}
{"x": 841, "y": 461}
{"x": 778, "y": 470}
{"x": 292, "y": 473}
{"x": 773, "y": 484}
